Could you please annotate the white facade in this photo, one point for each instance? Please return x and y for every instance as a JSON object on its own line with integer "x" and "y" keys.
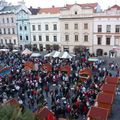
{"x": 109, "y": 35}
{"x": 45, "y": 30}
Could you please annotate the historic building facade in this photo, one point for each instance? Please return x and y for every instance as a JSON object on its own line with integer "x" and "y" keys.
{"x": 23, "y": 26}
{"x": 45, "y": 29}
{"x": 76, "y": 26}
{"x": 106, "y": 33}
{"x": 14, "y": 24}
{"x": 8, "y": 33}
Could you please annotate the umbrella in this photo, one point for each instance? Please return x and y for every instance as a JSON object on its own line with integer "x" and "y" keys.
{"x": 35, "y": 55}
{"x": 26, "y": 52}
{"x": 53, "y": 54}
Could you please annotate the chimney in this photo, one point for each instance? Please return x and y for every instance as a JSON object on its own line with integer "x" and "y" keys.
{"x": 53, "y": 6}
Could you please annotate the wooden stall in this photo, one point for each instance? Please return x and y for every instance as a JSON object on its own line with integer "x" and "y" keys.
{"x": 104, "y": 100}
{"x": 44, "y": 114}
{"x": 112, "y": 80}
{"x": 109, "y": 89}
{"x": 97, "y": 113}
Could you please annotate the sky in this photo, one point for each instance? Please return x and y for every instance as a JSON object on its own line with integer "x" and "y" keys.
{"x": 58, "y": 3}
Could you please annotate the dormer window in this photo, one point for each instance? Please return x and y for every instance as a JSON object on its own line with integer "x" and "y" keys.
{"x": 75, "y": 12}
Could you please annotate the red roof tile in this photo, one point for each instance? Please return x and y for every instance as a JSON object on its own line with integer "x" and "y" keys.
{"x": 45, "y": 113}
{"x": 92, "y": 5}
{"x": 98, "y": 113}
{"x": 52, "y": 10}
{"x": 114, "y": 6}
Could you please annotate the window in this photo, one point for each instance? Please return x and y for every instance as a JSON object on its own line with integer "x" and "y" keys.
{"x": 3, "y": 20}
{"x": 54, "y": 26}
{"x": 46, "y": 27}
{"x": 99, "y": 28}
{"x": 26, "y": 37}
{"x": 6, "y": 41}
{"x": 117, "y": 29}
{"x": 25, "y": 27}
{"x": 8, "y": 30}
{"x": 14, "y": 42}
{"x": 20, "y": 37}
{"x": 107, "y": 40}
{"x": 39, "y": 27}
{"x": 76, "y": 26}
{"x": 10, "y": 41}
{"x": 33, "y": 27}
{"x": 66, "y": 37}
{"x": 66, "y": 49}
{"x": 86, "y": 38}
{"x": 7, "y": 20}
{"x": 86, "y": 26}
{"x": 0, "y": 31}
{"x": 66, "y": 26}
{"x": 76, "y": 38}
{"x": 108, "y": 28}
{"x": 99, "y": 40}
{"x": 12, "y": 21}
{"x": 34, "y": 38}
{"x": 40, "y": 38}
{"x": 20, "y": 27}
{"x": 55, "y": 38}
{"x": 75, "y": 12}
{"x": 13, "y": 31}
{"x": 4, "y": 31}
{"x": 47, "y": 38}
{"x": 1, "y": 41}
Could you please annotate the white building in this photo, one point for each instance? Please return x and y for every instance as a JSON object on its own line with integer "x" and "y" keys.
{"x": 45, "y": 28}
{"x": 107, "y": 32}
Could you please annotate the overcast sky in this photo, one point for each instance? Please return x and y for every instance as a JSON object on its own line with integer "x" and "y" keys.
{"x": 48, "y": 3}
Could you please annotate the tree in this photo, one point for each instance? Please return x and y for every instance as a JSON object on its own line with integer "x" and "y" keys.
{"x": 10, "y": 112}
{"x": 55, "y": 47}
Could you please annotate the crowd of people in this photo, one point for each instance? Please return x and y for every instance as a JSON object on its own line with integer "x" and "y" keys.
{"x": 65, "y": 94}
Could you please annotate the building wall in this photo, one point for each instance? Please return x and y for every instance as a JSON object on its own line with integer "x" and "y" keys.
{"x": 83, "y": 16}
{"x": 8, "y": 32}
{"x": 114, "y": 36}
{"x": 42, "y": 20}
{"x": 23, "y": 28}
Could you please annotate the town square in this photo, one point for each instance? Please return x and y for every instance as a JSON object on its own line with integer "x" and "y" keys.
{"x": 59, "y": 62}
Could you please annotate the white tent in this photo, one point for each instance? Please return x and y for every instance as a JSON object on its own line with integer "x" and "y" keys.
{"x": 53, "y": 54}
{"x": 35, "y": 55}
{"x": 4, "y": 50}
{"x": 65, "y": 55}
{"x": 27, "y": 52}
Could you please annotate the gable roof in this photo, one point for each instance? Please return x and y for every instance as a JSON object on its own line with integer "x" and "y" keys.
{"x": 91, "y": 5}
{"x": 43, "y": 113}
{"x": 14, "y": 9}
{"x": 114, "y": 7}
